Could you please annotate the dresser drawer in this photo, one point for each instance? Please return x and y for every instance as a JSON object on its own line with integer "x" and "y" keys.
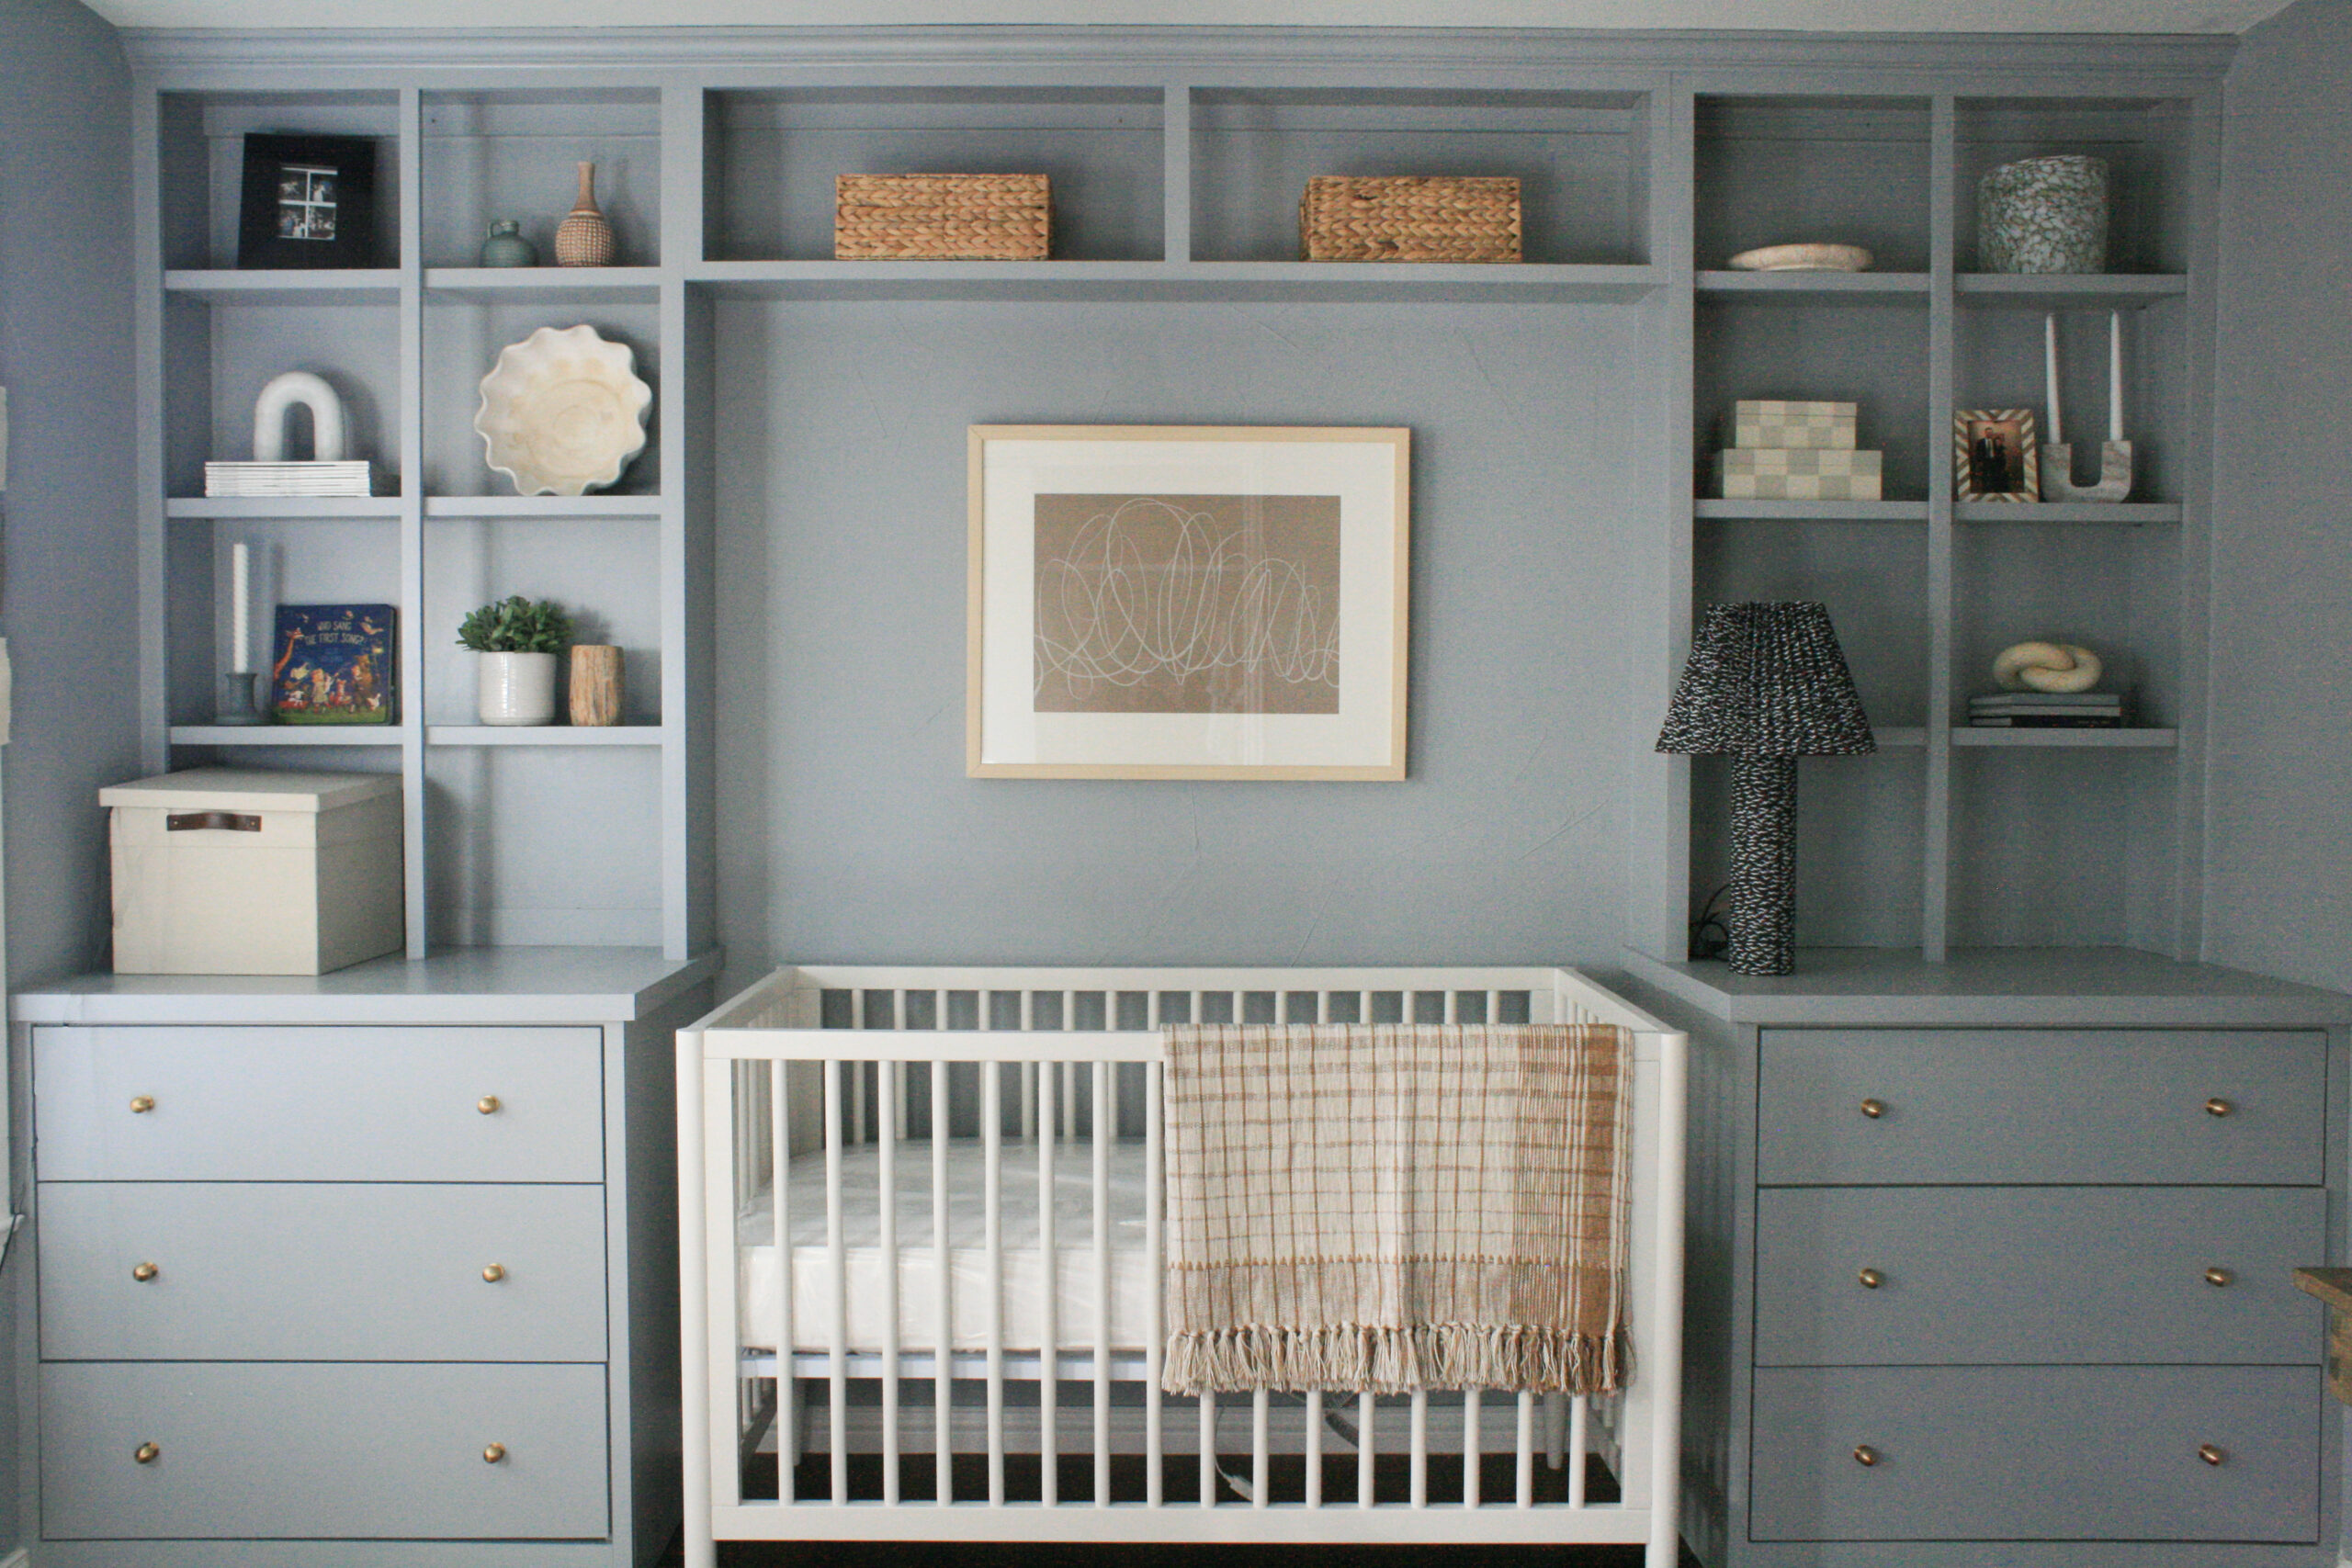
{"x": 2035, "y": 1274}
{"x": 2036, "y": 1454}
{"x": 275, "y": 1450}
{"x": 346, "y": 1104}
{"x": 321, "y": 1272}
{"x": 2042, "y": 1105}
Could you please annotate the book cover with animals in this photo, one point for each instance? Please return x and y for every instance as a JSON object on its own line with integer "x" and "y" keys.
{"x": 334, "y": 664}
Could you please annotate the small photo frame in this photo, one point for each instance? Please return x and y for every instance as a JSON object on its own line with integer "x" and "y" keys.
{"x": 1172, "y": 602}
{"x": 308, "y": 201}
{"x": 1994, "y": 456}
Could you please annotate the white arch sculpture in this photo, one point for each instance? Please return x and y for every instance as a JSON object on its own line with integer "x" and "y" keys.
{"x": 326, "y": 418}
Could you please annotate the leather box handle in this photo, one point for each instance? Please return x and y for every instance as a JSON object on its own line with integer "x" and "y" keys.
{"x": 191, "y": 821}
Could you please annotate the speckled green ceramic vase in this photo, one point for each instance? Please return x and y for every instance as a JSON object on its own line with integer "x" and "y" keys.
{"x": 2043, "y": 215}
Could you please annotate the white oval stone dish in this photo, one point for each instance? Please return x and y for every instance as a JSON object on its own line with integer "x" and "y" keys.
{"x": 1803, "y": 258}
{"x": 563, "y": 411}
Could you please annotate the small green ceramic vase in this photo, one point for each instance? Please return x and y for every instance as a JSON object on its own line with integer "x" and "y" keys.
{"x": 506, "y": 246}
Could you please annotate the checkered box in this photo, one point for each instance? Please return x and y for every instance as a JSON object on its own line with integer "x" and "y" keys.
{"x": 1799, "y": 474}
{"x": 1764, "y": 423}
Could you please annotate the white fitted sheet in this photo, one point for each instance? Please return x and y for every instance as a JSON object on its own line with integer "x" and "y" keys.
{"x": 758, "y": 1280}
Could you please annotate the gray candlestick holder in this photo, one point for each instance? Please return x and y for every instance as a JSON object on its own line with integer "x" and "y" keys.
{"x": 2114, "y": 473}
{"x": 240, "y": 699}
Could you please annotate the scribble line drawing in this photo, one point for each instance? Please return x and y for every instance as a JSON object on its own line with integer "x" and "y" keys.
{"x": 1160, "y": 604}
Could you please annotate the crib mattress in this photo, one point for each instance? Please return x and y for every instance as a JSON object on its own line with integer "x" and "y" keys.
{"x": 759, "y": 1279}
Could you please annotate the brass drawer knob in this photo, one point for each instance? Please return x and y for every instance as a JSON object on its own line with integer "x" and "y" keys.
{"x": 1873, "y": 1109}
{"x": 1871, "y": 1279}
{"x": 2218, "y": 1107}
{"x": 146, "y": 1453}
{"x": 2218, "y": 1277}
{"x": 1865, "y": 1456}
{"x": 143, "y": 1272}
{"x": 493, "y": 1453}
{"x": 495, "y": 1273}
{"x": 486, "y": 1105}
{"x": 141, "y": 1104}
{"x": 2211, "y": 1454}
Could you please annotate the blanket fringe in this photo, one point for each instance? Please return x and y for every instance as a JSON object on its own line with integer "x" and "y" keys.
{"x": 1366, "y": 1360}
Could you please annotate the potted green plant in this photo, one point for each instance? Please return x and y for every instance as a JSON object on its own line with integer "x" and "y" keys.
{"x": 518, "y": 640}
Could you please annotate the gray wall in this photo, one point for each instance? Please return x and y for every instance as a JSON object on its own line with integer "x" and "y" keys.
{"x": 69, "y": 610}
{"x": 847, "y": 831}
{"x": 2278, "y": 889}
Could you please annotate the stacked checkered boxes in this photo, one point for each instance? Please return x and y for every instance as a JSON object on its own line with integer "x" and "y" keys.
{"x": 1786, "y": 451}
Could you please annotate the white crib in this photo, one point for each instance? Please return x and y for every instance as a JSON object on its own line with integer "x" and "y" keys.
{"x": 867, "y": 1305}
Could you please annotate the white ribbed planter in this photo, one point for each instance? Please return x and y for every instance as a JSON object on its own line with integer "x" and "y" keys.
{"x": 517, "y": 688}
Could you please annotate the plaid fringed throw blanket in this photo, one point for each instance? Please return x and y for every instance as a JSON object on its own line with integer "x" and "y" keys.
{"x": 1388, "y": 1207}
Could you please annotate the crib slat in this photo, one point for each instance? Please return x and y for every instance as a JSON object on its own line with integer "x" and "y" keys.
{"x": 1258, "y": 1448}
{"x": 992, "y": 1229}
{"x": 1048, "y": 1321}
{"x": 898, "y": 1081}
{"x": 1105, "y": 1128}
{"x": 943, "y": 1384}
{"x": 1526, "y": 1449}
{"x": 780, "y": 1184}
{"x": 837, "y": 1380}
{"x": 890, "y": 1097}
{"x": 1208, "y": 1450}
{"x": 1420, "y": 1421}
{"x": 1155, "y": 1327}
{"x": 1314, "y": 1448}
{"x": 1576, "y": 1451}
{"x": 1470, "y": 1448}
{"x": 1364, "y": 1449}
{"x": 1028, "y": 1069}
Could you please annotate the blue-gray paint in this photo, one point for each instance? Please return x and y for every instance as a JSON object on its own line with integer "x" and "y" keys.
{"x": 2279, "y": 886}
{"x": 70, "y": 608}
{"x": 847, "y": 829}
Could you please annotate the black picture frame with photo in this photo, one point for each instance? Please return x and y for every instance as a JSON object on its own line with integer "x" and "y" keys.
{"x": 308, "y": 201}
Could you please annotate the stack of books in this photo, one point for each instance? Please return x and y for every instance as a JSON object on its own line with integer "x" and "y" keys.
{"x": 1797, "y": 451}
{"x": 2047, "y": 710}
{"x": 289, "y": 479}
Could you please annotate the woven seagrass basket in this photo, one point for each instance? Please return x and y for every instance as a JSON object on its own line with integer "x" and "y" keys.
{"x": 942, "y": 216}
{"x": 1410, "y": 218}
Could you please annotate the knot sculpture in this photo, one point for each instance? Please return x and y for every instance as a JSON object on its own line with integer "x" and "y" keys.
{"x": 2046, "y": 667}
{"x": 326, "y": 418}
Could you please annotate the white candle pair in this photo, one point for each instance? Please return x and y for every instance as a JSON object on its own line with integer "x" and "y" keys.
{"x": 241, "y": 657}
{"x": 2114, "y": 377}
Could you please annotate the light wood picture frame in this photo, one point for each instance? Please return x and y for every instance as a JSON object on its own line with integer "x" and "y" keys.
{"x": 2015, "y": 458}
{"x": 1187, "y": 601}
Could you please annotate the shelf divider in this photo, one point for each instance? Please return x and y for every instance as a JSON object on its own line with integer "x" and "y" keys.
{"x": 254, "y": 508}
{"x": 441, "y": 735}
{"x": 2137, "y": 739}
{"x": 1811, "y": 511}
{"x": 289, "y": 735}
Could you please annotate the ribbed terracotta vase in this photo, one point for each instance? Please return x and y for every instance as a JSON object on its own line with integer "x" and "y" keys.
{"x": 583, "y": 238}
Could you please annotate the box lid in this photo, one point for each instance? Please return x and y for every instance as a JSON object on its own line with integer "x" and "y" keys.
{"x": 249, "y": 789}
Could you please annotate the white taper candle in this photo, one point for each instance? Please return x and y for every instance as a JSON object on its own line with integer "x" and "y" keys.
{"x": 2115, "y": 375}
{"x": 2050, "y": 377}
{"x": 241, "y": 659}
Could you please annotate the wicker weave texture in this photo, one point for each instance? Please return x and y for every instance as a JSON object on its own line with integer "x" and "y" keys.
{"x": 942, "y": 216}
{"x": 1410, "y": 218}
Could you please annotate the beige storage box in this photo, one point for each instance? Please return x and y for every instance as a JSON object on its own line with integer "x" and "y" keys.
{"x": 227, "y": 870}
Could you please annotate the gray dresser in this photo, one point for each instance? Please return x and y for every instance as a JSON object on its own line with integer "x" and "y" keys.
{"x": 1992, "y": 1261}
{"x": 371, "y": 1268}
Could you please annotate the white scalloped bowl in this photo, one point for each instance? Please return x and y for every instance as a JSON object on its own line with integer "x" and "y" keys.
{"x": 563, "y": 411}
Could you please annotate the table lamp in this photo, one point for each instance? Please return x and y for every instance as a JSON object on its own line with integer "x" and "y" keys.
{"x": 1766, "y": 684}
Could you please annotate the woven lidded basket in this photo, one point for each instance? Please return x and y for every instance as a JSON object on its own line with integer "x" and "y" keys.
{"x": 1412, "y": 218}
{"x": 940, "y": 216}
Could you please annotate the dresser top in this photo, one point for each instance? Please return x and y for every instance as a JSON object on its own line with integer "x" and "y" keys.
{"x": 479, "y": 985}
{"x": 2022, "y": 986}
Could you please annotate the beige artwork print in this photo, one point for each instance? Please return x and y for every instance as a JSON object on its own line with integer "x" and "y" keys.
{"x": 1188, "y": 603}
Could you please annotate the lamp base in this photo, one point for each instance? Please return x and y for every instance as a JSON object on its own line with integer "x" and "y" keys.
{"x": 1762, "y": 916}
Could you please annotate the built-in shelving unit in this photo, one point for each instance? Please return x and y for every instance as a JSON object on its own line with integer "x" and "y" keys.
{"x": 1180, "y": 183}
{"x": 1925, "y": 589}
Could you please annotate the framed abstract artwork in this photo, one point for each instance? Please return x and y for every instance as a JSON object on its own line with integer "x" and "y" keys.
{"x": 1187, "y": 601}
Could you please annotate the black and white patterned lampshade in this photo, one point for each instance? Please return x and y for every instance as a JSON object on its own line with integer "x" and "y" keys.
{"x": 1766, "y": 680}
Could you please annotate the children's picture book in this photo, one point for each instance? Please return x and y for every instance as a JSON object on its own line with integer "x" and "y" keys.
{"x": 335, "y": 664}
